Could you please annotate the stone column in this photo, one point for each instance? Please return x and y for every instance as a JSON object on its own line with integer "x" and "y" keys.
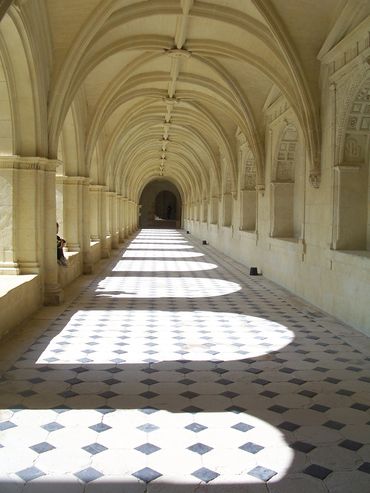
{"x": 8, "y": 200}
{"x": 73, "y": 212}
{"x": 53, "y": 294}
{"x": 104, "y": 223}
{"x": 95, "y": 211}
{"x": 28, "y": 221}
{"x": 125, "y": 216}
{"x": 98, "y": 217}
{"x": 86, "y": 249}
{"x": 120, "y": 219}
{"x": 113, "y": 219}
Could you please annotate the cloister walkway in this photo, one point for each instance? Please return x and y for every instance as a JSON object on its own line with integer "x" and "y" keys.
{"x": 175, "y": 371}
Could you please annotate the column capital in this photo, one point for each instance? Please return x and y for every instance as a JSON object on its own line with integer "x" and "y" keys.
{"x": 97, "y": 188}
{"x": 75, "y": 180}
{"x": 28, "y": 163}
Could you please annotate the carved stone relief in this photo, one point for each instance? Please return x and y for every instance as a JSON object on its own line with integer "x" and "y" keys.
{"x": 285, "y": 164}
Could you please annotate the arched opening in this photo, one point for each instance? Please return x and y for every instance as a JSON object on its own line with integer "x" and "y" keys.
{"x": 160, "y": 204}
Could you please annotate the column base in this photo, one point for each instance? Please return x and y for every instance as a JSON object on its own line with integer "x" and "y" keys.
{"x": 115, "y": 242}
{"x": 53, "y": 295}
{"x": 87, "y": 269}
{"x": 9, "y": 268}
{"x": 105, "y": 252}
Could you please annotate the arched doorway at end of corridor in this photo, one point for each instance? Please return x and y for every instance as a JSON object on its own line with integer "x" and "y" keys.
{"x": 161, "y": 205}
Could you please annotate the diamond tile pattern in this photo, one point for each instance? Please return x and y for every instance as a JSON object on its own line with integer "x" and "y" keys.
{"x": 185, "y": 370}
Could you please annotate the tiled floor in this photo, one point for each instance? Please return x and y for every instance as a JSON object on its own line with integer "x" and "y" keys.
{"x": 173, "y": 372}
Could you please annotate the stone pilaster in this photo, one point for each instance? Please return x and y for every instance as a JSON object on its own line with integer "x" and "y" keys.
{"x": 113, "y": 219}
{"x": 98, "y": 217}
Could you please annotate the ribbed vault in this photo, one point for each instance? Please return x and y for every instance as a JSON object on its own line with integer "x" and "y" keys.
{"x": 168, "y": 84}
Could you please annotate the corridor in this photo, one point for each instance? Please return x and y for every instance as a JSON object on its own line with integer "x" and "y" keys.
{"x": 174, "y": 371}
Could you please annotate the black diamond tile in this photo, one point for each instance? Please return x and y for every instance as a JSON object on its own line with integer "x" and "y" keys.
{"x": 229, "y": 395}
{"x": 147, "y": 474}
{"x": 317, "y": 471}
{"x": 30, "y": 473}
{"x": 200, "y": 448}
{"x": 365, "y": 467}
{"x": 187, "y": 381}
{"x": 149, "y": 394}
{"x": 320, "y": 408}
{"x": 332, "y": 380}
{"x": 53, "y": 426}
{"x": 36, "y": 380}
{"x": 94, "y": 448}
{"x": 88, "y": 475}
{"x": 104, "y": 410}
{"x": 205, "y": 474}
{"x": 345, "y": 392}
{"x": 148, "y": 410}
{"x": 27, "y": 393}
{"x": 297, "y": 381}
{"x": 111, "y": 381}
{"x": 192, "y": 409}
{"x": 307, "y": 393}
{"x": 235, "y": 409}
{"x": 74, "y": 381}
{"x": 80, "y": 369}
{"x": 255, "y": 371}
{"x": 287, "y": 370}
{"x": 42, "y": 447}
{"x": 269, "y": 394}
{"x": 108, "y": 394}
{"x": 288, "y": 426}
{"x": 278, "y": 409}
{"x": 224, "y": 381}
{"x": 147, "y": 448}
{"x": 195, "y": 427}
{"x": 6, "y": 425}
{"x": 114, "y": 370}
{"x": 262, "y": 473}
{"x": 261, "y": 381}
{"x": 360, "y": 407}
{"x": 351, "y": 445}
{"x": 147, "y": 427}
{"x": 251, "y": 447}
{"x": 303, "y": 447}
{"x": 335, "y": 425}
{"x": 100, "y": 427}
{"x": 150, "y": 370}
{"x": 242, "y": 427}
{"x": 189, "y": 395}
{"x": 148, "y": 381}
{"x": 62, "y": 408}
{"x": 68, "y": 394}
{"x": 184, "y": 370}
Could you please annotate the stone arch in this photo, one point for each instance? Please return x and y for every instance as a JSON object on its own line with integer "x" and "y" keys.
{"x": 17, "y": 59}
{"x": 156, "y": 199}
{"x": 6, "y": 139}
{"x": 352, "y": 180}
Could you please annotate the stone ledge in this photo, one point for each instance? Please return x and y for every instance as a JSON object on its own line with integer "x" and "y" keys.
{"x": 20, "y": 296}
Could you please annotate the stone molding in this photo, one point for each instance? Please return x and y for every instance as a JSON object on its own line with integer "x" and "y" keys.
{"x": 28, "y": 163}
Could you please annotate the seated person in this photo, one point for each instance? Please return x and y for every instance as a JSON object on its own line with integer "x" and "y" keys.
{"x": 60, "y": 254}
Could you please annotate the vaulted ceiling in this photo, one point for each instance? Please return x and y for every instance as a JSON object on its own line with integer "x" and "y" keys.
{"x": 168, "y": 83}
